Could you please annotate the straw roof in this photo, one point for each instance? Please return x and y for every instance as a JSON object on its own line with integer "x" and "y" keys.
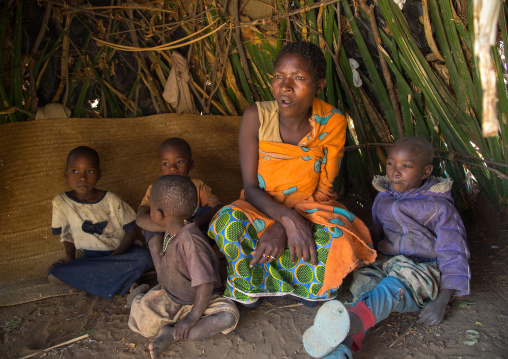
{"x": 421, "y": 71}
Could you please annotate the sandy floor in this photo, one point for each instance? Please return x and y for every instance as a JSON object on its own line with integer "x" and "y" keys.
{"x": 274, "y": 329}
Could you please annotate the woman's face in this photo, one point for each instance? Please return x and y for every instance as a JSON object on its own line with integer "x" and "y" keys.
{"x": 294, "y": 86}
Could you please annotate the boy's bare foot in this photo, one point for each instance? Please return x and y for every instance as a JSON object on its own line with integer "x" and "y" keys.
{"x": 135, "y": 290}
{"x": 159, "y": 344}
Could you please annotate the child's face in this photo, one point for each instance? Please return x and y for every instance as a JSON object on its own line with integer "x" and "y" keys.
{"x": 82, "y": 174}
{"x": 294, "y": 86}
{"x": 405, "y": 169}
{"x": 175, "y": 160}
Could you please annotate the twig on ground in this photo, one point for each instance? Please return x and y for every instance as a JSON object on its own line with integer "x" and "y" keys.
{"x": 400, "y": 337}
{"x": 284, "y": 306}
{"x": 297, "y": 351}
{"x": 77, "y": 316}
{"x": 57, "y": 346}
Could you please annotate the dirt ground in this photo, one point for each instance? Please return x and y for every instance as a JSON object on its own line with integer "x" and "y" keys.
{"x": 475, "y": 327}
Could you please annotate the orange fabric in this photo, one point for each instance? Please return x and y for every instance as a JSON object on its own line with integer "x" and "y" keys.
{"x": 300, "y": 177}
{"x": 205, "y": 195}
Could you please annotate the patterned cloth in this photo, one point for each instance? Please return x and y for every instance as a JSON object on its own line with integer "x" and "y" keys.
{"x": 237, "y": 238}
{"x": 299, "y": 177}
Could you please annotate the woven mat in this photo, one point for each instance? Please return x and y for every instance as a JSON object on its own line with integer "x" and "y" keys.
{"x": 32, "y": 162}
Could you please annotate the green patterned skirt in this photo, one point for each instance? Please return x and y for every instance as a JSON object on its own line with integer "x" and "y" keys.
{"x": 237, "y": 238}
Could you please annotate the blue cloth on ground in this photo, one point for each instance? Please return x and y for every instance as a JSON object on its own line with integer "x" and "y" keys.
{"x": 104, "y": 276}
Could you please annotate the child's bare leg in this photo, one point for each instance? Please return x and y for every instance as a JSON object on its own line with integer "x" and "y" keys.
{"x": 356, "y": 325}
{"x": 204, "y": 328}
{"x": 211, "y": 325}
{"x": 163, "y": 340}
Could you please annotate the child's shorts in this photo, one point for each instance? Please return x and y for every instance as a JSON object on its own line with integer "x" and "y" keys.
{"x": 155, "y": 309}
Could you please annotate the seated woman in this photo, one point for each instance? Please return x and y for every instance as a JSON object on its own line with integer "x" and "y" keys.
{"x": 287, "y": 234}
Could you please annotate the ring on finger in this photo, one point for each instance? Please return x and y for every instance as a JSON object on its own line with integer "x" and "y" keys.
{"x": 266, "y": 256}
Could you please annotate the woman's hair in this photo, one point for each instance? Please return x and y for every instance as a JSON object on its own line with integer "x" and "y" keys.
{"x": 310, "y": 52}
{"x": 175, "y": 195}
{"x": 85, "y": 151}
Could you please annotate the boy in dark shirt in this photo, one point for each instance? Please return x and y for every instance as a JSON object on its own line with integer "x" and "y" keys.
{"x": 185, "y": 304}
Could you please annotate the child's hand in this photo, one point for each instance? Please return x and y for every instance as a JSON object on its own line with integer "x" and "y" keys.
{"x": 432, "y": 314}
{"x": 183, "y": 327}
{"x": 300, "y": 239}
{"x": 271, "y": 245}
{"x": 125, "y": 244}
{"x": 434, "y": 311}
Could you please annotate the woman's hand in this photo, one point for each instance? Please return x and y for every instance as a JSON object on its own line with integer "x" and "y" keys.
{"x": 271, "y": 245}
{"x": 300, "y": 239}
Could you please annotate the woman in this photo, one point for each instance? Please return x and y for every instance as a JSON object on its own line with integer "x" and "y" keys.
{"x": 287, "y": 227}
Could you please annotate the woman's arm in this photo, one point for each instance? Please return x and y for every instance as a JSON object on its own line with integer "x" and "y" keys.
{"x": 290, "y": 225}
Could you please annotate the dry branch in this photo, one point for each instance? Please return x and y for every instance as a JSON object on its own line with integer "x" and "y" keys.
{"x": 64, "y": 62}
{"x": 428, "y": 31}
{"x": 486, "y": 15}
{"x": 369, "y": 10}
{"x": 57, "y": 346}
{"x": 169, "y": 46}
{"x": 241, "y": 51}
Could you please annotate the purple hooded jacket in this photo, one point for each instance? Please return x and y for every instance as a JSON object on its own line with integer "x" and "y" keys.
{"x": 423, "y": 223}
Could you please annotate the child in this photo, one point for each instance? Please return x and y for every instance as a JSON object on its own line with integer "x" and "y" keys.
{"x": 176, "y": 158}
{"x": 185, "y": 304}
{"x": 425, "y": 262}
{"x": 102, "y": 225}
{"x": 287, "y": 234}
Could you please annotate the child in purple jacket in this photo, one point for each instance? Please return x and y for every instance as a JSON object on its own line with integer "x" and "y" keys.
{"x": 422, "y": 255}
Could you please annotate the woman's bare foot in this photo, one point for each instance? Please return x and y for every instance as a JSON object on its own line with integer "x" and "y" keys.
{"x": 159, "y": 344}
{"x": 135, "y": 290}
